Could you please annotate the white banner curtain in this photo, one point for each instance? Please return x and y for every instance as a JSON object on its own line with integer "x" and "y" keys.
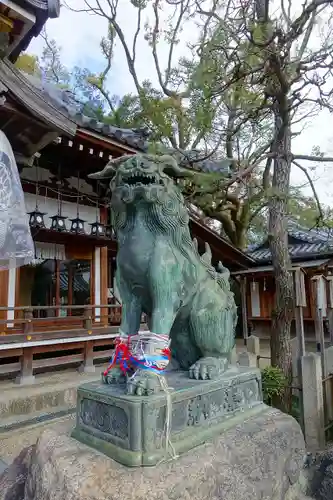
{"x": 45, "y": 251}
{"x": 16, "y": 244}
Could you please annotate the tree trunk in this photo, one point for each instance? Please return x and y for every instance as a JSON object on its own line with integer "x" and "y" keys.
{"x": 278, "y": 240}
{"x": 241, "y": 238}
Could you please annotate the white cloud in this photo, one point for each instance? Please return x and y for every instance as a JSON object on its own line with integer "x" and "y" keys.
{"x": 79, "y": 35}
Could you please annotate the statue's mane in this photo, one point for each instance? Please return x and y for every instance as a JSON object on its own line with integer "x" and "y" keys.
{"x": 170, "y": 216}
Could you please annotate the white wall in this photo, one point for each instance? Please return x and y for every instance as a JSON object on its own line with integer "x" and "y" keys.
{"x": 50, "y": 206}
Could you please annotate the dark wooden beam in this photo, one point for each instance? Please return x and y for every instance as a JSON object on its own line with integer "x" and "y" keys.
{"x": 66, "y": 237}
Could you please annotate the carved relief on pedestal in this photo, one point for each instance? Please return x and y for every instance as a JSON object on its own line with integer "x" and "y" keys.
{"x": 104, "y": 417}
{"x": 222, "y": 403}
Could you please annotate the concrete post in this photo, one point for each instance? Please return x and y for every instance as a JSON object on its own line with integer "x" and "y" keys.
{"x": 295, "y": 360}
{"x": 328, "y": 353}
{"x": 247, "y": 359}
{"x": 313, "y": 401}
{"x": 329, "y": 360}
{"x": 234, "y": 356}
{"x": 253, "y": 345}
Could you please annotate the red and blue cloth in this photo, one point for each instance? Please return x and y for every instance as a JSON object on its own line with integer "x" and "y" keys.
{"x": 128, "y": 363}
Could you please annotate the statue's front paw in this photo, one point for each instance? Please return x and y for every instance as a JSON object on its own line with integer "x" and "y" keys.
{"x": 143, "y": 383}
{"x": 208, "y": 368}
{"x": 114, "y": 376}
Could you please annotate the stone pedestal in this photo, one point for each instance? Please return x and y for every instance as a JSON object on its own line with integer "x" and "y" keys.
{"x": 133, "y": 430}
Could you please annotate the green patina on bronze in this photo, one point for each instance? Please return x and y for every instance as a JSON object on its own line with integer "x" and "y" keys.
{"x": 161, "y": 273}
{"x": 131, "y": 429}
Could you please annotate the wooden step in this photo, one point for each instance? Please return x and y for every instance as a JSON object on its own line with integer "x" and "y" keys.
{"x": 18, "y": 421}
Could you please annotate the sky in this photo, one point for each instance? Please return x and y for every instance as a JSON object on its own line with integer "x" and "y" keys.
{"x": 79, "y": 35}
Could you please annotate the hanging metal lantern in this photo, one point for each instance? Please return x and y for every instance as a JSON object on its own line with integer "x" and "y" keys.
{"x": 77, "y": 226}
{"x": 97, "y": 229}
{"x": 109, "y": 232}
{"x": 58, "y": 223}
{"x": 36, "y": 219}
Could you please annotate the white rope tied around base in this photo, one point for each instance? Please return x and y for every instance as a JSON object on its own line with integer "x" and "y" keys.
{"x": 167, "y": 427}
{"x": 148, "y": 347}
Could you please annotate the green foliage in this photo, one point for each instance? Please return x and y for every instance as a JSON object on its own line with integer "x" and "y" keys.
{"x": 29, "y": 64}
{"x": 273, "y": 383}
{"x": 206, "y": 100}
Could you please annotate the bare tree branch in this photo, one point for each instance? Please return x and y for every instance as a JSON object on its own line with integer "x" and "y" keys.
{"x": 52, "y": 53}
{"x": 320, "y": 159}
{"x": 306, "y": 173}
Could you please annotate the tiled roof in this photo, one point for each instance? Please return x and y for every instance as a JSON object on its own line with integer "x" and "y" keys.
{"x": 303, "y": 243}
{"x": 13, "y": 82}
{"x": 138, "y": 138}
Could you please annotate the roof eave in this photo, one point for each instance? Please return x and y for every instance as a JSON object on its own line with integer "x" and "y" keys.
{"x": 28, "y": 96}
{"x": 50, "y": 9}
{"x": 298, "y": 258}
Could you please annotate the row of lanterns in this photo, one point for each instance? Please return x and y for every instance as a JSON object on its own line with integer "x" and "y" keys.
{"x": 99, "y": 230}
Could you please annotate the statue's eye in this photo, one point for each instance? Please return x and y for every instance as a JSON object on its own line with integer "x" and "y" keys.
{"x": 170, "y": 205}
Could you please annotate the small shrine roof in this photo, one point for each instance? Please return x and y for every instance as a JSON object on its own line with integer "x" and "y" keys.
{"x": 303, "y": 244}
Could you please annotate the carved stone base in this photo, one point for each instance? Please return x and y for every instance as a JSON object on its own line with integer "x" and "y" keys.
{"x": 132, "y": 429}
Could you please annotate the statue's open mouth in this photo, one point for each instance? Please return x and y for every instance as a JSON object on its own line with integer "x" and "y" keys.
{"x": 135, "y": 179}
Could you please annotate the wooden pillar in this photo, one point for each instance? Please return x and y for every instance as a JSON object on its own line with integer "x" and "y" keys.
{"x": 17, "y": 313}
{"x": 243, "y": 289}
{"x": 57, "y": 287}
{"x": 300, "y": 302}
{"x": 71, "y": 278}
{"x": 28, "y": 324}
{"x": 104, "y": 272}
{"x": 3, "y": 297}
{"x": 87, "y": 322}
{"x": 11, "y": 297}
{"x": 26, "y": 376}
{"x": 97, "y": 284}
{"x": 88, "y": 362}
{"x": 104, "y": 285}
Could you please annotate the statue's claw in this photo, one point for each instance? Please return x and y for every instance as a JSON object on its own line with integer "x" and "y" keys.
{"x": 208, "y": 368}
{"x": 143, "y": 383}
{"x": 114, "y": 376}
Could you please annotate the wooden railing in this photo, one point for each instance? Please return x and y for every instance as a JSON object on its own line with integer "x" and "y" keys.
{"x": 25, "y": 322}
{"x": 31, "y": 345}
{"x": 24, "y": 359}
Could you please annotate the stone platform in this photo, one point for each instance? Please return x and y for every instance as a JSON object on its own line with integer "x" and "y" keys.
{"x": 259, "y": 459}
{"x": 132, "y": 429}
